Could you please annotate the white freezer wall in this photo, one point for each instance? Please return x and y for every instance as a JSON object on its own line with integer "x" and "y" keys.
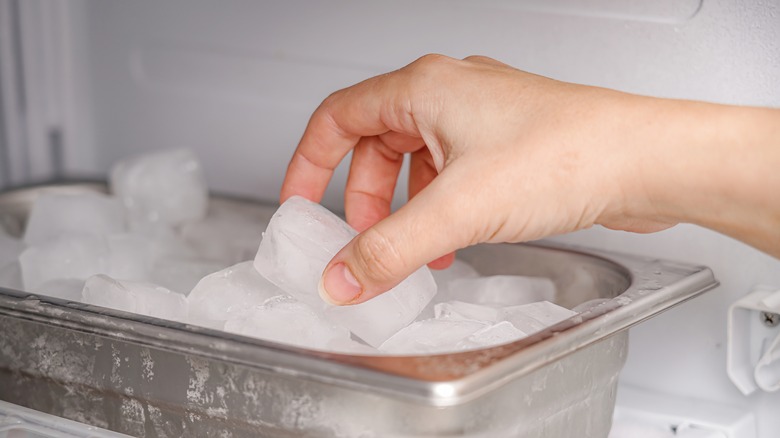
{"x": 237, "y": 80}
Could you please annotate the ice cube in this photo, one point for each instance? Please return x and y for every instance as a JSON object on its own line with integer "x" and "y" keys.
{"x": 431, "y": 336}
{"x": 461, "y": 310}
{"x": 181, "y": 274}
{"x": 301, "y": 239}
{"x": 131, "y": 257}
{"x": 223, "y": 294}
{"x": 286, "y": 320}
{"x": 135, "y": 297}
{"x": 10, "y": 248}
{"x": 11, "y": 276}
{"x": 530, "y": 318}
{"x": 229, "y": 239}
{"x": 67, "y": 257}
{"x": 56, "y": 215}
{"x": 496, "y": 334}
{"x": 502, "y": 290}
{"x": 63, "y": 288}
{"x": 166, "y": 186}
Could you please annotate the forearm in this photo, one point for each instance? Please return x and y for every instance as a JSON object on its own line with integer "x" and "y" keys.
{"x": 717, "y": 166}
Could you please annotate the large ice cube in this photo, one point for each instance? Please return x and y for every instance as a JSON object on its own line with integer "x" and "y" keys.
{"x": 181, "y": 274}
{"x": 286, "y": 320}
{"x": 431, "y": 336}
{"x": 166, "y": 186}
{"x": 135, "y": 297}
{"x": 530, "y": 318}
{"x": 67, "y": 257}
{"x": 300, "y": 240}
{"x": 228, "y": 292}
{"x": 56, "y": 215}
{"x": 502, "y": 290}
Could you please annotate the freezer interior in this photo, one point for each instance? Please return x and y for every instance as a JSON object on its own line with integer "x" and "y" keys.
{"x": 84, "y": 83}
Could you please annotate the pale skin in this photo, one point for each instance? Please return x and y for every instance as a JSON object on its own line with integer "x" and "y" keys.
{"x": 501, "y": 155}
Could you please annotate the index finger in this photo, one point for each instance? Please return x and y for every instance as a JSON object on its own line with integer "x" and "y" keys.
{"x": 372, "y": 107}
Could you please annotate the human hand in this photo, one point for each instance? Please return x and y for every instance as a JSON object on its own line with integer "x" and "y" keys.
{"x": 497, "y": 155}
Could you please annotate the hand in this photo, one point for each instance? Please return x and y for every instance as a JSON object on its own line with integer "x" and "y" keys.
{"x": 497, "y": 155}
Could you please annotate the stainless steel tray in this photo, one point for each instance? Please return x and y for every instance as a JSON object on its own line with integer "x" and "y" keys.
{"x": 148, "y": 377}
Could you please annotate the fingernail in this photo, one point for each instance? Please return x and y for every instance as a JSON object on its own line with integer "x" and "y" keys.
{"x": 339, "y": 286}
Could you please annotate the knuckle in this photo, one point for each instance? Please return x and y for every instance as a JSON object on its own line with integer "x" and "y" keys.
{"x": 377, "y": 258}
{"x": 431, "y": 61}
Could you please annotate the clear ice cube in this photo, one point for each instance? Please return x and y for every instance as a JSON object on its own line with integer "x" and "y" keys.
{"x": 286, "y": 320}
{"x": 56, "y": 215}
{"x": 135, "y": 297}
{"x": 67, "y": 257}
{"x": 530, "y": 318}
{"x": 219, "y": 296}
{"x": 431, "y": 336}
{"x": 166, "y": 186}
{"x": 502, "y": 290}
{"x": 301, "y": 238}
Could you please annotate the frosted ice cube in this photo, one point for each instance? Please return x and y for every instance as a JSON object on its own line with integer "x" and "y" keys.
{"x": 55, "y": 215}
{"x": 461, "y": 310}
{"x": 11, "y": 276}
{"x": 225, "y": 293}
{"x": 67, "y": 257}
{"x": 135, "y": 297}
{"x": 502, "y": 290}
{"x": 10, "y": 248}
{"x": 301, "y": 239}
{"x": 530, "y": 318}
{"x": 286, "y": 320}
{"x": 431, "y": 336}
{"x": 166, "y": 186}
{"x": 496, "y": 334}
{"x": 229, "y": 239}
{"x": 130, "y": 257}
{"x": 63, "y": 288}
{"x": 181, "y": 274}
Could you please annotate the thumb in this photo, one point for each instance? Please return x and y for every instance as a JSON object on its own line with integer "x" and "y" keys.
{"x": 379, "y": 258}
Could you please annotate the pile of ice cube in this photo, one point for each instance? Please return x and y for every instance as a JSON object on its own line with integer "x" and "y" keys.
{"x": 155, "y": 247}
